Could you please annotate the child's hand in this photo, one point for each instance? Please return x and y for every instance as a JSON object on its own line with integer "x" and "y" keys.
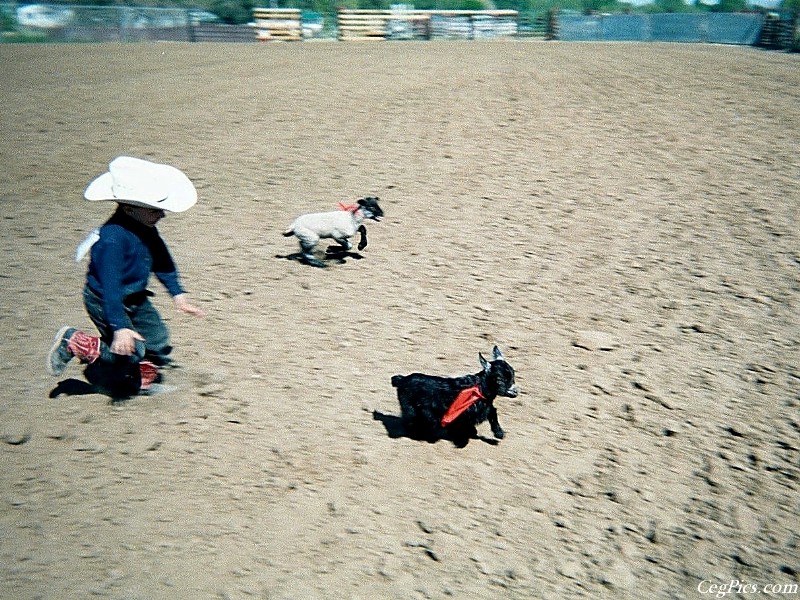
{"x": 124, "y": 341}
{"x": 183, "y": 305}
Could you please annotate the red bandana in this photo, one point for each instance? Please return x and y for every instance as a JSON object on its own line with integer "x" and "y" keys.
{"x": 463, "y": 401}
{"x": 353, "y": 208}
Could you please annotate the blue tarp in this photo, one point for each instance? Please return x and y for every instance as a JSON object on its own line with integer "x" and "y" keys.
{"x": 720, "y": 28}
{"x": 578, "y": 28}
{"x": 727, "y": 28}
{"x": 626, "y": 28}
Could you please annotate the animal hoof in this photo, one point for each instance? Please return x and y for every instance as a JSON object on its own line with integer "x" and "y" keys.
{"x": 315, "y": 263}
{"x": 499, "y": 434}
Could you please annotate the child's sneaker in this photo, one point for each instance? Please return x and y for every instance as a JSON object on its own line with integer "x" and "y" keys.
{"x": 59, "y": 356}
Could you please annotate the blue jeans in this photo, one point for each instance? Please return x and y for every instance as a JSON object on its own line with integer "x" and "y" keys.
{"x": 121, "y": 373}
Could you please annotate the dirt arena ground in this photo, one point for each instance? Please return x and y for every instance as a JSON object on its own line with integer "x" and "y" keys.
{"x": 621, "y": 219}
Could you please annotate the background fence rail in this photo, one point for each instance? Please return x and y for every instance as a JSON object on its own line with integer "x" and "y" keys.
{"x": 70, "y": 23}
{"x": 217, "y": 32}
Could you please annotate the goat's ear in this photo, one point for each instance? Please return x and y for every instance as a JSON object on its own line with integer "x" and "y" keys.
{"x": 484, "y": 363}
{"x": 497, "y": 354}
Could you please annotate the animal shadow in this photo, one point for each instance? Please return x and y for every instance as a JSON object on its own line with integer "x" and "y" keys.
{"x": 77, "y": 387}
{"x": 72, "y": 387}
{"x": 395, "y": 428}
{"x": 331, "y": 254}
{"x": 99, "y": 380}
{"x": 337, "y": 253}
{"x": 393, "y": 424}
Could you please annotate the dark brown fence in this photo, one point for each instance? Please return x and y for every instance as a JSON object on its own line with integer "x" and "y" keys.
{"x": 212, "y": 32}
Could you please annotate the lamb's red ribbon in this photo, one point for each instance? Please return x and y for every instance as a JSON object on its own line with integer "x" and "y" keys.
{"x": 84, "y": 346}
{"x": 349, "y": 207}
{"x": 463, "y": 401}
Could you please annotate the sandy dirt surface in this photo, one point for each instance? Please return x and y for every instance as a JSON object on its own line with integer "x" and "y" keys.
{"x": 621, "y": 219}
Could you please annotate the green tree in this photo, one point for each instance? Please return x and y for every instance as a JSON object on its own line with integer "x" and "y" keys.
{"x": 669, "y": 6}
{"x": 791, "y": 6}
{"x": 730, "y": 6}
{"x": 233, "y": 11}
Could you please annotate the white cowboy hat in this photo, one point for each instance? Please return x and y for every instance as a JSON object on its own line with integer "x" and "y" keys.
{"x": 143, "y": 183}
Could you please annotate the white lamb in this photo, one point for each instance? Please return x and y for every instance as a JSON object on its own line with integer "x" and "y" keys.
{"x": 339, "y": 225}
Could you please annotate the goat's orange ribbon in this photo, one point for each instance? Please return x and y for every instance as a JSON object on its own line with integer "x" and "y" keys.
{"x": 463, "y": 401}
{"x": 348, "y": 207}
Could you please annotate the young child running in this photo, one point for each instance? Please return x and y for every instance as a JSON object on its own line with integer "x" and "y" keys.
{"x": 134, "y": 341}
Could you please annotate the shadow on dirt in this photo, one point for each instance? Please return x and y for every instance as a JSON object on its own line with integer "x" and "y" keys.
{"x": 73, "y": 387}
{"x": 332, "y": 254}
{"x": 77, "y": 387}
{"x": 106, "y": 382}
{"x": 396, "y": 429}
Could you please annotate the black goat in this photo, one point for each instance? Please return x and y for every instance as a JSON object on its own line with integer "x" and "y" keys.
{"x": 452, "y": 407}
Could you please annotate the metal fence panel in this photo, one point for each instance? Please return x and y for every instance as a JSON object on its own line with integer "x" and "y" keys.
{"x": 471, "y": 27}
{"x": 677, "y": 27}
{"x": 450, "y": 27}
{"x": 127, "y": 24}
{"x": 71, "y": 23}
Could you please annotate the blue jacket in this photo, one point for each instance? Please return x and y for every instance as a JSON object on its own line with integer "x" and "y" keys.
{"x": 121, "y": 263}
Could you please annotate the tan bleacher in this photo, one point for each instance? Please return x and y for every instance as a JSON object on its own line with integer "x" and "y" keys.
{"x": 363, "y": 24}
{"x": 277, "y": 24}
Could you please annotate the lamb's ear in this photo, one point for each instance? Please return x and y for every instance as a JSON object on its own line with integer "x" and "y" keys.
{"x": 484, "y": 363}
{"x": 497, "y": 354}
